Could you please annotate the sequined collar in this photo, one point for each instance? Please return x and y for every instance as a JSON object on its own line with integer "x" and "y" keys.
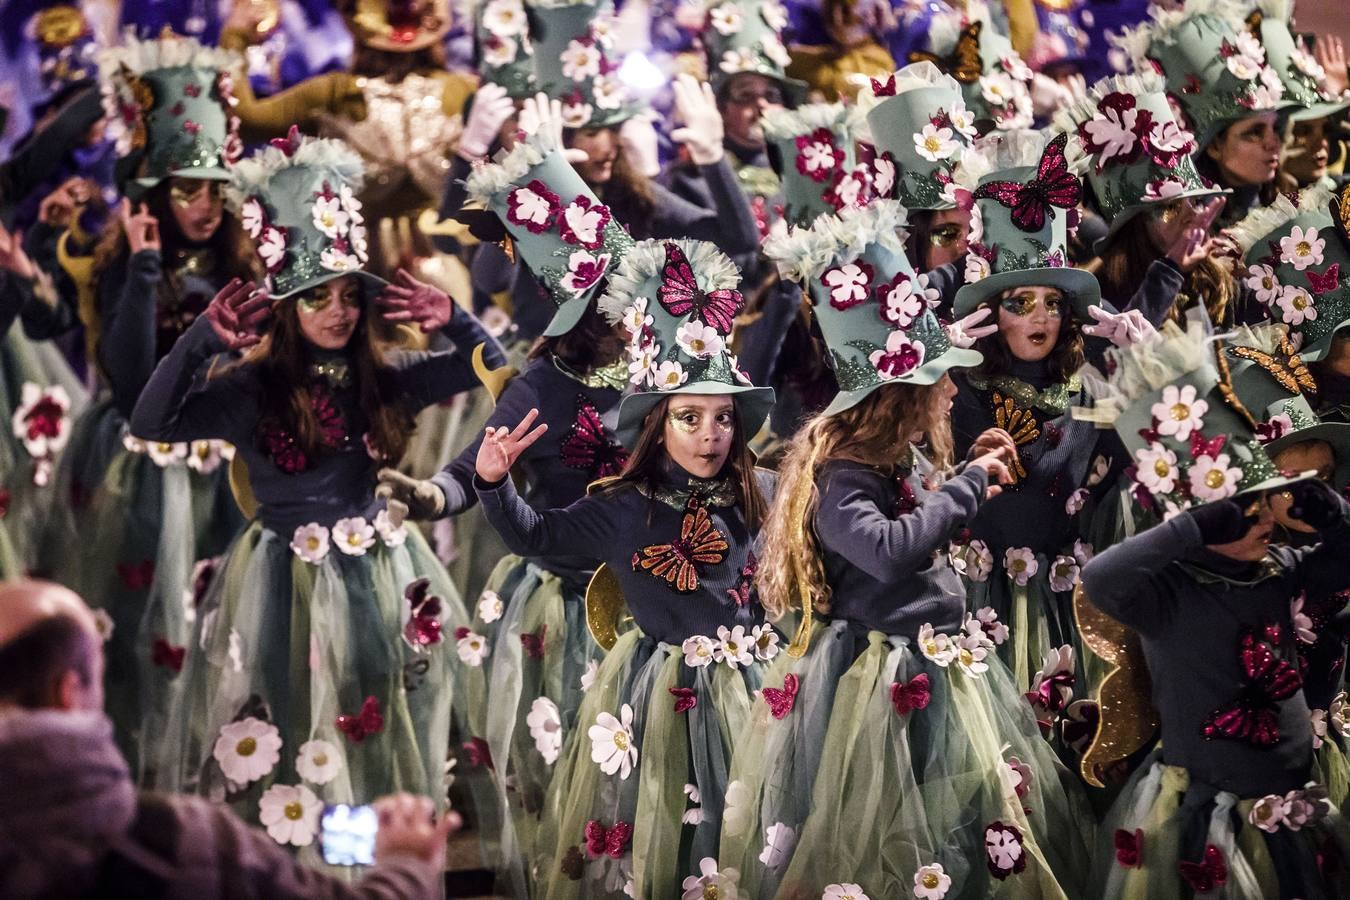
{"x": 199, "y": 261}
{"x": 1053, "y": 400}
{"x": 613, "y": 376}
{"x": 677, "y": 490}
{"x": 1264, "y": 570}
{"x": 334, "y": 370}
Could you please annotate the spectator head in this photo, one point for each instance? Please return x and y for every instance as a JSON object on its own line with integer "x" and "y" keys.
{"x": 51, "y": 652}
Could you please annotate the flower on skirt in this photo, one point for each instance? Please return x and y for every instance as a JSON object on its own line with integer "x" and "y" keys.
{"x": 979, "y": 562}
{"x": 993, "y": 629}
{"x": 779, "y": 842}
{"x": 710, "y": 882}
{"x": 545, "y": 724}
{"x": 392, "y": 534}
{"x": 490, "y": 606}
{"x": 1064, "y": 574}
{"x": 612, "y": 744}
{"x": 1317, "y": 720}
{"x": 472, "y": 647}
{"x": 931, "y": 882}
{"x": 353, "y": 535}
{"x": 588, "y": 676}
{"x": 291, "y": 814}
{"x": 1020, "y": 564}
{"x": 693, "y": 815}
{"x": 732, "y": 647}
{"x": 1003, "y": 850}
{"x": 310, "y": 542}
{"x": 737, "y": 807}
{"x": 319, "y": 761}
{"x": 247, "y": 750}
{"x": 765, "y": 641}
{"x": 1129, "y": 847}
{"x": 698, "y": 650}
{"x": 939, "y": 648}
{"x": 844, "y": 892}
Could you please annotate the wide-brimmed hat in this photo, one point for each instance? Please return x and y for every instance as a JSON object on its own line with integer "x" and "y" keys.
{"x": 918, "y": 121}
{"x": 1020, "y": 225}
{"x": 1298, "y": 264}
{"x": 170, "y": 104}
{"x": 743, "y": 37}
{"x": 873, "y": 309}
{"x": 297, "y": 200}
{"x": 560, "y": 229}
{"x": 1137, "y": 155}
{"x": 679, "y": 300}
{"x": 994, "y": 79}
{"x": 505, "y": 51}
{"x": 813, "y": 147}
{"x": 1298, "y": 70}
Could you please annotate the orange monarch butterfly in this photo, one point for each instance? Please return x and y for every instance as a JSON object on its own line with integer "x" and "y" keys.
{"x": 676, "y": 563}
{"x": 963, "y": 63}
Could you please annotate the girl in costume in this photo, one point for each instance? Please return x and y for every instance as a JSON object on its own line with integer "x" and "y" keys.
{"x": 1227, "y": 804}
{"x": 137, "y": 516}
{"x": 320, "y": 668}
{"x": 1217, "y": 70}
{"x": 532, "y": 614}
{"x": 891, "y": 755}
{"x": 635, "y": 802}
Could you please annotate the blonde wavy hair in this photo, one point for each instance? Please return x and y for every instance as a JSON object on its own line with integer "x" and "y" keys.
{"x": 876, "y": 432}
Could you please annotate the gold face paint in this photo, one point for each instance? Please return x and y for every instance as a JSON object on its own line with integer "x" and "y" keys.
{"x": 945, "y": 235}
{"x": 315, "y": 299}
{"x": 185, "y": 193}
{"x": 1025, "y": 304}
{"x": 687, "y": 419}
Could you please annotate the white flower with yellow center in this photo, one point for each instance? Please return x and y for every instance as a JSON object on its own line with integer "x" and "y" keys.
{"x": 726, "y": 18}
{"x": 1296, "y": 305}
{"x": 1265, "y": 286}
{"x": 1156, "y": 468}
{"x": 318, "y": 762}
{"x": 997, "y": 88}
{"x": 247, "y": 750}
{"x": 1180, "y": 412}
{"x": 545, "y": 724}
{"x": 962, "y": 119}
{"x": 581, "y": 60}
{"x": 937, "y": 647}
{"x": 935, "y": 144}
{"x": 740, "y": 59}
{"x": 505, "y": 18}
{"x": 1020, "y": 564}
{"x": 971, "y": 651}
{"x": 1064, "y": 574}
{"x": 472, "y": 648}
{"x": 612, "y": 744}
{"x": 764, "y": 639}
{"x": 329, "y": 217}
{"x": 847, "y": 891}
{"x": 310, "y": 542}
{"x": 699, "y": 651}
{"x": 334, "y": 260}
{"x": 698, "y": 340}
{"x": 1302, "y": 247}
{"x": 669, "y": 375}
{"x": 353, "y": 536}
{"x": 710, "y": 883}
{"x": 490, "y": 606}
{"x": 931, "y": 882}
{"x": 165, "y": 454}
{"x": 291, "y": 814}
{"x": 733, "y": 647}
{"x": 392, "y": 535}
{"x": 1212, "y": 478}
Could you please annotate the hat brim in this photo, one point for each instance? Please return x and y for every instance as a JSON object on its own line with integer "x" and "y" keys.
{"x": 1125, "y": 215}
{"x": 374, "y": 282}
{"x": 200, "y": 173}
{"x": 1079, "y": 285}
{"x": 928, "y": 373}
{"x": 1318, "y": 111}
{"x": 568, "y": 315}
{"x": 1271, "y": 484}
{"x": 753, "y": 403}
{"x": 1337, "y": 434}
{"x": 1319, "y": 348}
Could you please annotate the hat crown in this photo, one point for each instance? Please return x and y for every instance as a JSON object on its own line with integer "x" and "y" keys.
{"x": 574, "y": 62}
{"x": 919, "y": 121}
{"x": 505, "y": 51}
{"x": 743, "y": 36}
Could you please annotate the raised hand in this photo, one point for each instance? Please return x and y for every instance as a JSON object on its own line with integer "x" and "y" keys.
{"x": 993, "y": 440}
{"x": 58, "y": 208}
{"x": 993, "y": 463}
{"x": 409, "y": 827}
{"x": 237, "y": 313}
{"x": 1330, "y": 54}
{"x": 502, "y": 446}
{"x": 12, "y": 255}
{"x": 140, "y": 227}
{"x": 1190, "y": 236}
{"x": 966, "y": 331}
{"x": 640, "y": 145}
{"x": 408, "y": 498}
{"x": 491, "y": 108}
{"x": 406, "y": 299}
{"x": 1122, "y": 329}
{"x": 540, "y": 115}
{"x": 696, "y": 105}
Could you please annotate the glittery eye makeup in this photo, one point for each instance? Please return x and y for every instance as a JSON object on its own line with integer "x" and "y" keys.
{"x": 315, "y": 301}
{"x": 685, "y": 420}
{"x": 184, "y": 195}
{"x": 1025, "y": 305}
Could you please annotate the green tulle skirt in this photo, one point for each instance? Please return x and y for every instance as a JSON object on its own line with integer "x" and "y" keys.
{"x": 320, "y": 653}
{"x": 127, "y": 537}
{"x": 1162, "y": 830}
{"x": 641, "y": 831}
{"x": 846, "y": 789}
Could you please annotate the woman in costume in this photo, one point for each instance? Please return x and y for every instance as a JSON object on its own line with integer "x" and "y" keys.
{"x": 320, "y": 668}
{"x": 674, "y": 532}
{"x": 892, "y": 754}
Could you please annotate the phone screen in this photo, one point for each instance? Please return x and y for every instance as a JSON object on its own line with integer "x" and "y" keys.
{"x": 347, "y": 835}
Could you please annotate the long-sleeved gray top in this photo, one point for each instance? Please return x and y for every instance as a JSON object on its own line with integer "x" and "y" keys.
{"x": 194, "y": 394}
{"x": 1193, "y": 609}
{"x": 885, "y": 540}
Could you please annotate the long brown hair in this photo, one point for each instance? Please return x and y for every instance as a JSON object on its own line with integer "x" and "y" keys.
{"x": 647, "y": 463}
{"x": 875, "y": 432}
{"x": 628, "y": 194}
{"x": 1131, "y": 251}
{"x": 1063, "y": 361}
{"x": 282, "y": 359}
{"x": 592, "y": 344}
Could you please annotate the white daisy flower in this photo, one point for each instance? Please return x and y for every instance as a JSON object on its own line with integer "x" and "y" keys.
{"x": 505, "y": 18}
{"x": 727, "y": 18}
{"x": 764, "y": 639}
{"x": 698, "y": 650}
{"x": 1064, "y": 573}
{"x": 1156, "y": 468}
{"x": 937, "y": 647}
{"x": 1261, "y": 279}
{"x": 163, "y": 454}
{"x": 581, "y": 60}
{"x": 669, "y": 375}
{"x": 490, "y": 606}
{"x": 353, "y": 536}
{"x": 1020, "y": 564}
{"x": 1296, "y": 305}
{"x": 733, "y": 647}
{"x": 329, "y": 217}
{"x": 1212, "y": 478}
{"x": 1180, "y": 412}
{"x": 318, "y": 762}
{"x": 698, "y": 340}
{"x": 612, "y": 745}
{"x": 310, "y": 542}
{"x": 472, "y": 648}
{"x": 545, "y": 724}
{"x": 931, "y": 882}
{"x": 779, "y": 842}
{"x": 290, "y": 814}
{"x": 710, "y": 882}
{"x": 247, "y": 750}
{"x": 1302, "y": 247}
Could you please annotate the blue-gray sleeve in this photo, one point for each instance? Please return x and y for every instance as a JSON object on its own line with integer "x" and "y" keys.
{"x": 127, "y": 297}
{"x": 761, "y": 341}
{"x": 180, "y": 403}
{"x": 729, "y": 222}
{"x": 582, "y": 529}
{"x": 14, "y": 293}
{"x": 1123, "y": 581}
{"x": 1321, "y": 569}
{"x": 429, "y": 377}
{"x": 456, "y": 479}
{"x": 850, "y": 523}
{"x": 1158, "y": 292}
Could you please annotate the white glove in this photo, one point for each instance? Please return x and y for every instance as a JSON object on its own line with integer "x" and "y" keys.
{"x": 1048, "y": 95}
{"x": 1122, "y": 329}
{"x": 491, "y": 108}
{"x": 637, "y": 137}
{"x": 696, "y": 105}
{"x": 965, "y": 332}
{"x": 539, "y": 115}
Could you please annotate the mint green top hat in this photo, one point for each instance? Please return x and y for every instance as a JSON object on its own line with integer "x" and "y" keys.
{"x": 505, "y": 53}
{"x": 1172, "y": 408}
{"x": 1213, "y": 65}
{"x": 562, "y": 231}
{"x": 572, "y": 62}
{"x": 679, "y": 300}
{"x": 1296, "y": 67}
{"x": 297, "y": 200}
{"x": 815, "y": 153}
{"x": 919, "y": 122}
{"x": 1137, "y": 154}
{"x": 169, "y": 100}
{"x": 874, "y": 311}
{"x": 1270, "y": 380}
{"x": 994, "y": 79}
{"x": 743, "y": 36}
{"x": 1019, "y": 226}
{"x": 1298, "y": 265}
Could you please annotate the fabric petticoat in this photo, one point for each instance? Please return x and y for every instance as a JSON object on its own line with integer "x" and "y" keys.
{"x": 314, "y": 662}
{"x": 641, "y": 830}
{"x": 887, "y": 771}
{"x": 1167, "y": 837}
{"x": 126, "y": 534}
